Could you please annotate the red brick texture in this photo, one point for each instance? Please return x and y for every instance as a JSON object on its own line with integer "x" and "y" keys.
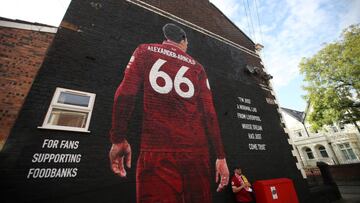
{"x": 21, "y": 55}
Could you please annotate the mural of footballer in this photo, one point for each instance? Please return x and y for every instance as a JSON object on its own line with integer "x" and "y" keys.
{"x": 178, "y": 121}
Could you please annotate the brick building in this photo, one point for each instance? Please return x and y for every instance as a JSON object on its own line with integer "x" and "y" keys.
{"x": 23, "y": 46}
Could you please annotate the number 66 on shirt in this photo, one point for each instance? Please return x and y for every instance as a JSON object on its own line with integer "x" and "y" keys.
{"x": 156, "y": 73}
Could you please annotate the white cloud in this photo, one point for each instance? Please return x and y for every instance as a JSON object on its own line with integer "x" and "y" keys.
{"x": 298, "y": 37}
{"x": 291, "y": 30}
{"x": 352, "y": 15}
{"x": 243, "y": 25}
{"x": 243, "y": 14}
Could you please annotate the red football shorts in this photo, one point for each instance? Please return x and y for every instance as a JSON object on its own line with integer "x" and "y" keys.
{"x": 173, "y": 177}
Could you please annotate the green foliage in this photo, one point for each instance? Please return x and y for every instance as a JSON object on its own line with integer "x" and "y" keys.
{"x": 332, "y": 79}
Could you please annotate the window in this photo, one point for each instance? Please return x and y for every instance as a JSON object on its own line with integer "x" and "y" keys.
{"x": 342, "y": 126}
{"x": 309, "y": 153}
{"x": 299, "y": 134}
{"x": 69, "y": 110}
{"x": 323, "y": 152}
{"x": 347, "y": 151}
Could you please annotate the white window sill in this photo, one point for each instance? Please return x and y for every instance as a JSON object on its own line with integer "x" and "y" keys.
{"x": 62, "y": 128}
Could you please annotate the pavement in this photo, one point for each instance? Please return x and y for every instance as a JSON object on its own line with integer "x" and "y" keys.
{"x": 349, "y": 198}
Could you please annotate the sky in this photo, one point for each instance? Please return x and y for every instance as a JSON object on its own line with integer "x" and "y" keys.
{"x": 288, "y": 29}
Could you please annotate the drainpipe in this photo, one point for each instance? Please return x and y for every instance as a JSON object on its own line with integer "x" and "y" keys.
{"x": 335, "y": 159}
{"x": 307, "y": 133}
{"x": 301, "y": 160}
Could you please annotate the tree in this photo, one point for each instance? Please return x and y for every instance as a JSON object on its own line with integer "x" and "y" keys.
{"x": 332, "y": 78}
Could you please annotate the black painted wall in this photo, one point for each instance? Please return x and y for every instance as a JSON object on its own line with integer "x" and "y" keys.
{"x": 93, "y": 60}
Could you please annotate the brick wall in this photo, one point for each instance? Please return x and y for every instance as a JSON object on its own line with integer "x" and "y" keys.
{"x": 21, "y": 55}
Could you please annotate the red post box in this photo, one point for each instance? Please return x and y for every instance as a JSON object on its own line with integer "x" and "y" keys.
{"x": 279, "y": 190}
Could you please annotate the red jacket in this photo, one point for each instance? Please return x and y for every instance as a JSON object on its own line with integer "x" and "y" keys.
{"x": 178, "y": 110}
{"x": 242, "y": 195}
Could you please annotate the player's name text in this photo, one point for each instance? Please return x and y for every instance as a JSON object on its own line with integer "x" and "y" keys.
{"x": 171, "y": 54}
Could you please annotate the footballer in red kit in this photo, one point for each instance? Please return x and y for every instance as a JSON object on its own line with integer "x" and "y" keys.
{"x": 241, "y": 187}
{"x": 178, "y": 121}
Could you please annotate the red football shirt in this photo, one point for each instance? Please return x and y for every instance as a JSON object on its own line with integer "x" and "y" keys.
{"x": 179, "y": 114}
{"x": 242, "y": 195}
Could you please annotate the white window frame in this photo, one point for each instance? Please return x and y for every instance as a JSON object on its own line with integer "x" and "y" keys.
{"x": 69, "y": 107}
{"x": 341, "y": 126}
{"x": 323, "y": 150}
{"x": 345, "y": 150}
{"x": 307, "y": 152}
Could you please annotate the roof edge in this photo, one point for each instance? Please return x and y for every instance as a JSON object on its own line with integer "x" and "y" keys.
{"x": 20, "y": 24}
{"x": 233, "y": 23}
{"x": 287, "y": 111}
